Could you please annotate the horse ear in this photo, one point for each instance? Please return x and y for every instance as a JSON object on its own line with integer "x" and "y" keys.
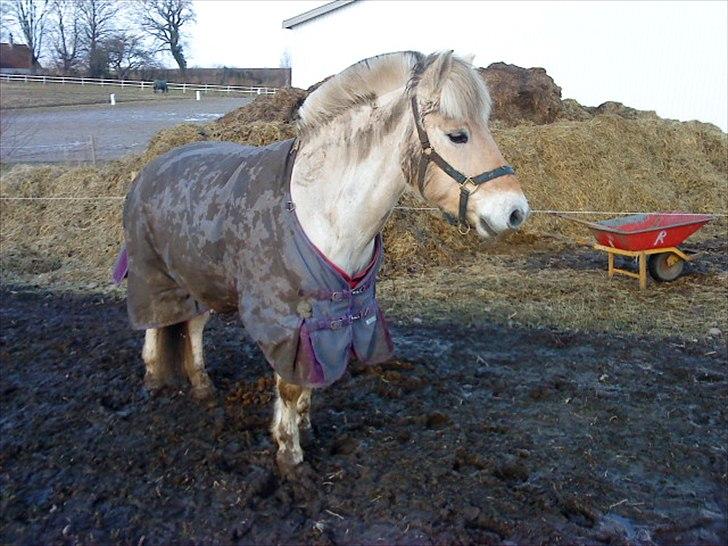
{"x": 469, "y": 58}
{"x": 435, "y": 75}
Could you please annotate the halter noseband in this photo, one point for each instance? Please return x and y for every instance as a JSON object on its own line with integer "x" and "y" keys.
{"x": 429, "y": 154}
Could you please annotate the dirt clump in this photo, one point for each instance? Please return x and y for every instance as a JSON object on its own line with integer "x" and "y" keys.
{"x": 522, "y": 94}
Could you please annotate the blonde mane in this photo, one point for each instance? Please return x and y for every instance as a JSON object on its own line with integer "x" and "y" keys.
{"x": 464, "y": 94}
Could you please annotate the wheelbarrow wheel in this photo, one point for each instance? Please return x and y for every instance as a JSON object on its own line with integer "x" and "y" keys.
{"x": 665, "y": 267}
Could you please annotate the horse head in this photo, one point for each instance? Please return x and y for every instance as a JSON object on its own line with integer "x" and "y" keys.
{"x": 454, "y": 161}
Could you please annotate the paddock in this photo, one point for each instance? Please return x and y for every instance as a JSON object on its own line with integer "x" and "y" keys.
{"x": 531, "y": 399}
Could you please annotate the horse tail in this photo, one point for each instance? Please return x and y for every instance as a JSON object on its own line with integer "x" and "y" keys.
{"x": 121, "y": 266}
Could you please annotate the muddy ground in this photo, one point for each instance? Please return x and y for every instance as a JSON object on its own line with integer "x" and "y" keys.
{"x": 484, "y": 434}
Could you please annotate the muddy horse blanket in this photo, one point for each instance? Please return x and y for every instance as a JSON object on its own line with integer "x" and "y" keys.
{"x": 211, "y": 226}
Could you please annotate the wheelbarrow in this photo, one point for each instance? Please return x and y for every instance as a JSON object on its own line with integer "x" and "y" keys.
{"x": 652, "y": 238}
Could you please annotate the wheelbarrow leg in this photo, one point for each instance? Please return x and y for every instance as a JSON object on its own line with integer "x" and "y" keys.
{"x": 643, "y": 271}
{"x": 611, "y": 264}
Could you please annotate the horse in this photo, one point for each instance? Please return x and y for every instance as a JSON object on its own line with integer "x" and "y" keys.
{"x": 161, "y": 86}
{"x": 288, "y": 235}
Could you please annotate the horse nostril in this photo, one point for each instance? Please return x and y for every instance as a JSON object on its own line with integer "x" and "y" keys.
{"x": 516, "y": 218}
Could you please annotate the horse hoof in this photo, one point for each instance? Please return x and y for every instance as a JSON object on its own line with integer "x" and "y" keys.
{"x": 307, "y": 436}
{"x": 203, "y": 393}
{"x": 153, "y": 385}
{"x": 158, "y": 382}
{"x": 305, "y": 476}
{"x": 287, "y": 463}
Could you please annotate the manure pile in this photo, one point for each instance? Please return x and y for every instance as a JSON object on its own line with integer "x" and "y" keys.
{"x": 590, "y": 160}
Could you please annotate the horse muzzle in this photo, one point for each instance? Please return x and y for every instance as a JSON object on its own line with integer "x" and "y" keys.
{"x": 500, "y": 213}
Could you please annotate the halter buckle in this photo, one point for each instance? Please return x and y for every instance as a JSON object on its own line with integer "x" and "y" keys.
{"x": 463, "y": 230}
{"x": 427, "y": 151}
{"x": 463, "y": 185}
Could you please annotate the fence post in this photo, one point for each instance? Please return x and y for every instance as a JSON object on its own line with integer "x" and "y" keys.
{"x": 184, "y": 88}
{"x": 112, "y": 98}
{"x": 197, "y": 95}
{"x": 92, "y": 146}
{"x": 142, "y": 86}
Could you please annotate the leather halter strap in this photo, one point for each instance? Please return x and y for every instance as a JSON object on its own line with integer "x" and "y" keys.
{"x": 429, "y": 154}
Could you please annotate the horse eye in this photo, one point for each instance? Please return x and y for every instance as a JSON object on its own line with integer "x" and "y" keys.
{"x": 458, "y": 137}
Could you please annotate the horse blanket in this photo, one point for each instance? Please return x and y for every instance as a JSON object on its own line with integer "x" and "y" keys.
{"x": 211, "y": 226}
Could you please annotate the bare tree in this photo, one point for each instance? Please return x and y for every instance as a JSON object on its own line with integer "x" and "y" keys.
{"x": 163, "y": 20}
{"x": 96, "y": 19}
{"x": 126, "y": 52}
{"x": 66, "y": 35}
{"x": 30, "y": 17}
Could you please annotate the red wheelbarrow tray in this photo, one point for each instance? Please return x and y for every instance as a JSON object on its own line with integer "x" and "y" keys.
{"x": 646, "y": 231}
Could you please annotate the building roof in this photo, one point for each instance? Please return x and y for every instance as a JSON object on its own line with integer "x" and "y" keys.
{"x": 309, "y": 15}
{"x": 15, "y": 56}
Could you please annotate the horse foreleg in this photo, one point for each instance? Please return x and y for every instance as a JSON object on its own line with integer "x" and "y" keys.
{"x": 194, "y": 360}
{"x": 303, "y": 407}
{"x": 291, "y": 409}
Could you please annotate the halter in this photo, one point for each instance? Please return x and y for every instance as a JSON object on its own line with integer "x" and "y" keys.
{"x": 468, "y": 185}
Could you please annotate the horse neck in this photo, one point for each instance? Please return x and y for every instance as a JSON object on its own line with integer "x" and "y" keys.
{"x": 345, "y": 182}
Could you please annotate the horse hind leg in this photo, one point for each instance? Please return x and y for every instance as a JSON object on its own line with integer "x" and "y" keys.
{"x": 174, "y": 352}
{"x": 291, "y": 411}
{"x": 160, "y": 357}
{"x": 194, "y": 361}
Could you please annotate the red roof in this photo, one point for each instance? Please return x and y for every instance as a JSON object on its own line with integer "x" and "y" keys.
{"x": 15, "y": 56}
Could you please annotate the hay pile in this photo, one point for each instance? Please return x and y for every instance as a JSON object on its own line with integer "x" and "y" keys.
{"x": 279, "y": 108}
{"x": 603, "y": 162}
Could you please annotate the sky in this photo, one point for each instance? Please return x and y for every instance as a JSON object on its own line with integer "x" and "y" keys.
{"x": 671, "y": 57}
{"x": 245, "y": 33}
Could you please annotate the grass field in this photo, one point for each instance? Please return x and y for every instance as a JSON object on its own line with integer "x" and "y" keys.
{"x": 30, "y": 95}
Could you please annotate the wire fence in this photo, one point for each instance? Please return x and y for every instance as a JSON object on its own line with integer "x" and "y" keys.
{"x": 113, "y": 198}
{"x": 184, "y": 87}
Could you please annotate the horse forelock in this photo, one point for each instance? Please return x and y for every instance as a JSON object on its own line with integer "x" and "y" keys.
{"x": 464, "y": 94}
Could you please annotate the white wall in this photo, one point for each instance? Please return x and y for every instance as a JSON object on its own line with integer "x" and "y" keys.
{"x": 671, "y": 57}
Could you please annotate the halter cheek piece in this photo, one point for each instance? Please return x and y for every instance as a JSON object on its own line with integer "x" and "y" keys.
{"x": 468, "y": 185}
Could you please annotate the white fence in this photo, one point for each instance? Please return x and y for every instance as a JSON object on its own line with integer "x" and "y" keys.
{"x": 184, "y": 87}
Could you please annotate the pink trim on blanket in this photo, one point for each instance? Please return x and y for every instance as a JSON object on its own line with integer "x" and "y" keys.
{"x": 121, "y": 267}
